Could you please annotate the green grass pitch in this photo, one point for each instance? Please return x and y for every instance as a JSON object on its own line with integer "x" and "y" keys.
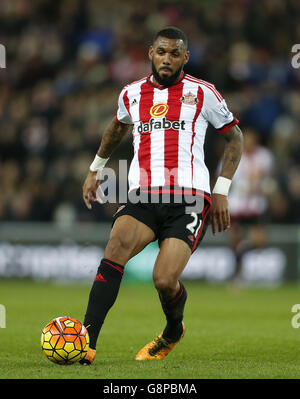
{"x": 231, "y": 334}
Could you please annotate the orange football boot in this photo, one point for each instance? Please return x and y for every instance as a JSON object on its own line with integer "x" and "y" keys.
{"x": 159, "y": 348}
{"x": 89, "y": 357}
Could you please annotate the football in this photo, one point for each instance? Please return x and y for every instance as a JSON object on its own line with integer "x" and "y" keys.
{"x": 64, "y": 340}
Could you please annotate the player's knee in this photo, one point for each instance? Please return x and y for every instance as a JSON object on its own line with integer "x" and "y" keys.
{"x": 118, "y": 249}
{"x": 165, "y": 284}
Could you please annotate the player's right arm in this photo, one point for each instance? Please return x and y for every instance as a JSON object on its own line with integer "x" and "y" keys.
{"x": 112, "y": 136}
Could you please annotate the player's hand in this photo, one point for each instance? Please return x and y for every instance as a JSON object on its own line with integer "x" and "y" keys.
{"x": 89, "y": 189}
{"x": 219, "y": 214}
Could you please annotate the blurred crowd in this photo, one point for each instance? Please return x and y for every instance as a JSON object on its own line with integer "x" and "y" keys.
{"x": 67, "y": 61}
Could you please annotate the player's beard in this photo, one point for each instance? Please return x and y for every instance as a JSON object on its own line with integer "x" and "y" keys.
{"x": 167, "y": 80}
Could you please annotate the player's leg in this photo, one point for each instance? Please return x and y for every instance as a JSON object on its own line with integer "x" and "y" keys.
{"x": 172, "y": 258}
{"x": 178, "y": 239}
{"x": 128, "y": 237}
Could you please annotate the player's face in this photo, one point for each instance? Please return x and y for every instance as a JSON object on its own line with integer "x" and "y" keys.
{"x": 168, "y": 57}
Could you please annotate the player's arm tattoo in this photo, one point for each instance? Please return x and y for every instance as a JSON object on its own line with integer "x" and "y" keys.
{"x": 232, "y": 152}
{"x": 112, "y": 136}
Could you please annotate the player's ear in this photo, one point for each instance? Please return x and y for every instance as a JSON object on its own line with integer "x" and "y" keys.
{"x": 186, "y": 57}
{"x": 150, "y": 53}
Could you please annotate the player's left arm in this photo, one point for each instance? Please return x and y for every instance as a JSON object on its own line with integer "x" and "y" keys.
{"x": 219, "y": 215}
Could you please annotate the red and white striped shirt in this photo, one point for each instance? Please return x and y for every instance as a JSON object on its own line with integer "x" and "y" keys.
{"x": 169, "y": 130}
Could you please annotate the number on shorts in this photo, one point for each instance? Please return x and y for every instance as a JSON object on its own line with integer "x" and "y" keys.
{"x": 192, "y": 226}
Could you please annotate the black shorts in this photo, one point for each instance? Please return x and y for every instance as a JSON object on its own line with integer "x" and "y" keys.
{"x": 171, "y": 220}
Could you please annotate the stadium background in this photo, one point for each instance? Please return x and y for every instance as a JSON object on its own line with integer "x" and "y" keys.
{"x": 66, "y": 63}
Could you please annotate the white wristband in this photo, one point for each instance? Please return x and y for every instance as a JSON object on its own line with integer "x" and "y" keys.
{"x": 222, "y": 186}
{"x": 98, "y": 163}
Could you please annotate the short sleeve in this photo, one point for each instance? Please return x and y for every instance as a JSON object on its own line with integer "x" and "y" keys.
{"x": 123, "y": 112}
{"x": 216, "y": 112}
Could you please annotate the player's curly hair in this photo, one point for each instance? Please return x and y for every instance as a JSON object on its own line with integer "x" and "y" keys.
{"x": 171, "y": 32}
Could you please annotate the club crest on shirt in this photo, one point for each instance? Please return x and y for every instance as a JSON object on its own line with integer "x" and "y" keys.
{"x": 189, "y": 99}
